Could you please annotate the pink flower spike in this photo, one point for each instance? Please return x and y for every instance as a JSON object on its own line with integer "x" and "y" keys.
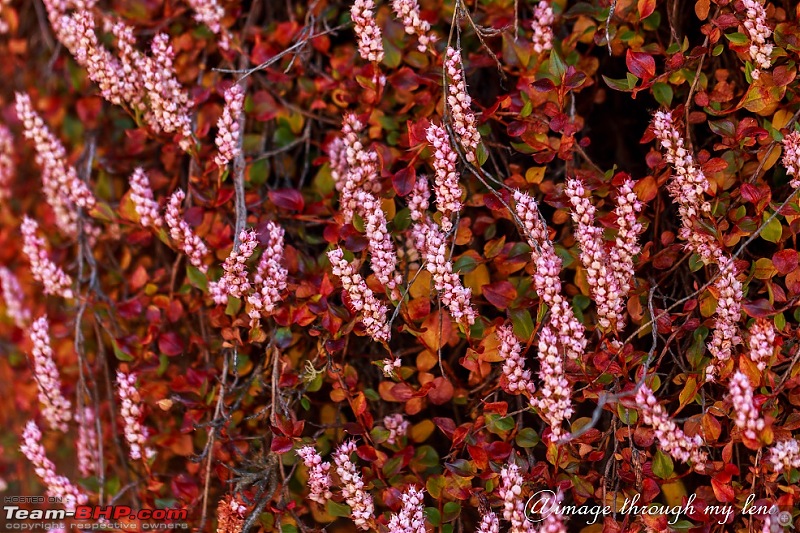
{"x": 397, "y": 426}
{"x": 761, "y": 343}
{"x": 359, "y": 500}
{"x": 210, "y": 13}
{"x": 729, "y": 309}
{"x": 44, "y": 271}
{"x": 448, "y": 191}
{"x": 748, "y": 418}
{"x": 57, "y": 409}
{"x": 270, "y": 278}
{"x": 383, "y": 256}
{"x": 408, "y": 12}
{"x": 234, "y": 281}
{"x": 362, "y": 299}
{"x": 791, "y": 157}
{"x": 6, "y": 162}
{"x": 142, "y": 196}
{"x": 411, "y": 518}
{"x": 759, "y": 32}
{"x": 510, "y": 492}
{"x": 228, "y": 125}
{"x": 133, "y": 416}
{"x": 186, "y": 239}
{"x": 554, "y": 405}
{"x": 460, "y": 105}
{"x": 57, "y": 486}
{"x": 319, "y": 478}
{"x": 517, "y": 377}
{"x": 13, "y": 298}
{"x": 370, "y": 44}
{"x": 543, "y": 19}
{"x": 88, "y": 458}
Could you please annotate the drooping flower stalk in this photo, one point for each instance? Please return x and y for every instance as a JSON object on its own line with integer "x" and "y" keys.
{"x": 603, "y": 283}
{"x": 518, "y": 379}
{"x": 460, "y": 106}
{"x": 14, "y": 298}
{"x": 670, "y": 438}
{"x": 270, "y": 278}
{"x": 748, "y": 418}
{"x": 234, "y": 281}
{"x": 57, "y": 409}
{"x": 142, "y": 196}
{"x": 186, "y": 239}
{"x": 759, "y": 32}
{"x": 6, "y": 162}
{"x": 44, "y": 271}
{"x": 761, "y": 343}
{"x": 432, "y": 244}
{"x": 791, "y": 157}
{"x": 370, "y": 45}
{"x": 543, "y": 19}
{"x": 408, "y": 12}
{"x": 362, "y": 299}
{"x": 319, "y": 478}
{"x": 448, "y": 191}
{"x": 88, "y": 458}
{"x": 411, "y": 518}
{"x": 510, "y": 492}
{"x": 228, "y": 133}
{"x": 397, "y": 425}
{"x": 355, "y": 495}
{"x": 133, "y": 417}
{"x": 57, "y": 486}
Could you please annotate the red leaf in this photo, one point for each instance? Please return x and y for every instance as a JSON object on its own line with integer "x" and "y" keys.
{"x": 403, "y": 181}
{"x": 646, "y": 8}
{"x": 446, "y": 425}
{"x": 287, "y": 199}
{"x": 499, "y": 294}
{"x": 441, "y": 392}
{"x": 758, "y": 309}
{"x": 281, "y": 444}
{"x": 170, "y": 344}
{"x": 722, "y": 491}
{"x": 640, "y": 64}
{"x": 751, "y": 193}
{"x": 785, "y": 261}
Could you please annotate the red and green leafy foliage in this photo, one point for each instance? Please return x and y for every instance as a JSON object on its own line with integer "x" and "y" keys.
{"x": 229, "y": 394}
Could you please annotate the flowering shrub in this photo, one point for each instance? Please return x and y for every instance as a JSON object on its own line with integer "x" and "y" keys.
{"x": 402, "y": 265}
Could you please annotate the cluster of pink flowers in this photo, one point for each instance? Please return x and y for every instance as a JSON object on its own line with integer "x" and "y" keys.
{"x": 510, "y": 491}
{"x": 353, "y": 167}
{"x": 408, "y": 12}
{"x": 270, "y": 277}
{"x": 370, "y": 45}
{"x": 419, "y": 199}
{"x": 44, "y": 271}
{"x": 13, "y": 298}
{"x": 626, "y": 244}
{"x": 543, "y": 19}
{"x": 352, "y": 485}
{"x": 186, "y": 239}
{"x": 670, "y": 438}
{"x": 460, "y": 105}
{"x": 210, "y": 13}
{"x": 554, "y": 405}
{"x": 517, "y": 377}
{"x": 169, "y": 102}
{"x": 600, "y": 276}
{"x": 432, "y": 244}
{"x": 143, "y": 201}
{"x": 791, "y": 157}
{"x": 319, "y": 478}
{"x": 362, "y": 299}
{"x": 397, "y": 426}
{"x": 60, "y": 181}
{"x": 228, "y": 133}
{"x": 748, "y": 418}
{"x": 729, "y": 309}
{"x": 759, "y": 33}
{"x": 390, "y": 366}
{"x": 57, "y": 409}
{"x": 230, "y": 515}
{"x": 689, "y": 183}
{"x": 489, "y": 523}
{"x": 88, "y": 454}
{"x": 132, "y": 416}
{"x": 448, "y": 191}
{"x": 132, "y": 62}
{"x": 784, "y": 455}
{"x": 761, "y": 343}
{"x": 57, "y": 486}
{"x": 383, "y": 256}
{"x": 411, "y": 518}
{"x": 6, "y": 162}
{"x": 234, "y": 281}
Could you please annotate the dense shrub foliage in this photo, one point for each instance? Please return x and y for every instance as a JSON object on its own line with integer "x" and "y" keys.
{"x": 398, "y": 265}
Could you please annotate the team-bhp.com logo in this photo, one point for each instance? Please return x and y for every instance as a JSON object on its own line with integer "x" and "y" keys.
{"x": 104, "y": 517}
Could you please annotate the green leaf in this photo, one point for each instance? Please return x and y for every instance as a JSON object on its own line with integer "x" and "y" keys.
{"x": 618, "y": 85}
{"x": 197, "y": 278}
{"x": 233, "y": 307}
{"x": 556, "y": 66}
{"x": 522, "y": 322}
{"x": 627, "y": 416}
{"x": 465, "y": 264}
{"x": 772, "y": 231}
{"x": 338, "y": 509}
{"x": 433, "y": 516}
{"x": 662, "y": 465}
{"x": 527, "y": 438}
{"x": 663, "y": 93}
{"x": 451, "y": 511}
{"x": 737, "y": 38}
{"x": 118, "y": 353}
